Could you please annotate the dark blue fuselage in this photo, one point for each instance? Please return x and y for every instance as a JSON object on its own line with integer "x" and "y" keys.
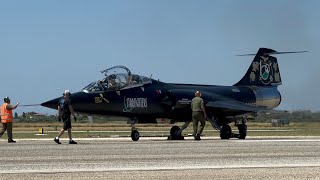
{"x": 167, "y": 100}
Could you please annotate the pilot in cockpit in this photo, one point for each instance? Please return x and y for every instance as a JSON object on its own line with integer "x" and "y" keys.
{"x": 112, "y": 84}
{"x": 134, "y": 79}
{"x": 104, "y": 83}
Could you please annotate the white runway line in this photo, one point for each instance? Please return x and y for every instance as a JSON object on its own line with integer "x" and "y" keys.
{"x": 279, "y": 140}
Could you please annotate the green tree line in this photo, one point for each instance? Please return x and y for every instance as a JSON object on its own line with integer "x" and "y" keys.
{"x": 294, "y": 116}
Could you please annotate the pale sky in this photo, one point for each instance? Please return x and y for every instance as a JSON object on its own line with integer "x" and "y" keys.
{"x": 49, "y": 46}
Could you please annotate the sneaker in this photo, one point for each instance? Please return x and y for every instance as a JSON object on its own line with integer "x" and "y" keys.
{"x": 11, "y": 141}
{"x": 72, "y": 142}
{"x": 57, "y": 141}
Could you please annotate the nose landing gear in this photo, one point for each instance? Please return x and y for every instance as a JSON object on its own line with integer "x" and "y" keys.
{"x": 135, "y": 135}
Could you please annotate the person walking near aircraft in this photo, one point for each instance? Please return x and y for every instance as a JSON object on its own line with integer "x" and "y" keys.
{"x": 64, "y": 111}
{"x": 198, "y": 115}
{"x": 7, "y": 118}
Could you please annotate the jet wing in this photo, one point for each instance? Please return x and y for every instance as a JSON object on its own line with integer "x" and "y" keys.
{"x": 234, "y": 106}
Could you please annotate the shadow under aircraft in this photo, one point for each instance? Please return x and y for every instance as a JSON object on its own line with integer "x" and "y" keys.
{"x": 143, "y": 99}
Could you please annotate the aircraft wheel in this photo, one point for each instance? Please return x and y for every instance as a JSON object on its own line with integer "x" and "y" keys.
{"x": 242, "y": 131}
{"x": 225, "y": 132}
{"x": 174, "y": 135}
{"x": 173, "y": 130}
{"x": 135, "y": 135}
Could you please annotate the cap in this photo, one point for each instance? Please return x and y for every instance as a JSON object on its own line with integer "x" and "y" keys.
{"x": 67, "y": 92}
{"x": 6, "y": 99}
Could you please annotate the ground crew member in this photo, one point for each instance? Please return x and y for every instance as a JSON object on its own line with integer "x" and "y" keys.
{"x": 198, "y": 115}
{"x": 7, "y": 118}
{"x": 64, "y": 113}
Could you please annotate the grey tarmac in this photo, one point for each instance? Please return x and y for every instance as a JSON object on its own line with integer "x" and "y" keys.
{"x": 157, "y": 158}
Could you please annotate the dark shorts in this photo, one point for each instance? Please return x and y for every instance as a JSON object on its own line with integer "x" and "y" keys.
{"x": 66, "y": 122}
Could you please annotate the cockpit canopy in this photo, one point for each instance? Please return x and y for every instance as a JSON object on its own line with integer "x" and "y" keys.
{"x": 117, "y": 78}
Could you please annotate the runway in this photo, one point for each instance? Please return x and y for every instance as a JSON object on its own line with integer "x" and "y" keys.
{"x": 157, "y": 158}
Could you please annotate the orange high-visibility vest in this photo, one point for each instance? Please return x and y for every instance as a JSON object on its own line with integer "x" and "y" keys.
{"x": 6, "y": 115}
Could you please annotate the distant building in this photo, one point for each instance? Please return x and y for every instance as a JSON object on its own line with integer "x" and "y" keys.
{"x": 279, "y": 122}
{"x": 30, "y": 115}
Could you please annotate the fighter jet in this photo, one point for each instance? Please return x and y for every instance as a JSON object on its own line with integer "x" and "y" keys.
{"x": 143, "y": 99}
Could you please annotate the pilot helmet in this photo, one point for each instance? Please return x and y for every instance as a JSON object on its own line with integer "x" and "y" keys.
{"x": 112, "y": 76}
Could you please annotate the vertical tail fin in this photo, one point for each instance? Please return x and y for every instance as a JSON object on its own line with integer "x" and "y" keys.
{"x": 263, "y": 71}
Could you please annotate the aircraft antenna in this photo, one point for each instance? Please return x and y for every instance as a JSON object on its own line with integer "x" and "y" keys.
{"x": 272, "y": 53}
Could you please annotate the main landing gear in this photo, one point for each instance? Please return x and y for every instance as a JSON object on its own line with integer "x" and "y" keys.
{"x": 175, "y": 133}
{"x": 226, "y": 132}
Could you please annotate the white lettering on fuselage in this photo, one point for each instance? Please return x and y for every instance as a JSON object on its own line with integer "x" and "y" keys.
{"x": 184, "y": 101}
{"x": 136, "y": 103}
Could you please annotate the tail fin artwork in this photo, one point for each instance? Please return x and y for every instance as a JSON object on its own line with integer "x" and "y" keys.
{"x": 264, "y": 69}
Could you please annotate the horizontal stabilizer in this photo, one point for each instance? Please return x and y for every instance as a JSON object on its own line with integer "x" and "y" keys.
{"x": 273, "y": 53}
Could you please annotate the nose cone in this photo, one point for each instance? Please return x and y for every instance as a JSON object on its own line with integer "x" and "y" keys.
{"x": 77, "y": 99}
{"x": 53, "y": 104}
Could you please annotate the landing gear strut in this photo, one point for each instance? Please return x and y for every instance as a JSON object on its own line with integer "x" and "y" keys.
{"x": 135, "y": 135}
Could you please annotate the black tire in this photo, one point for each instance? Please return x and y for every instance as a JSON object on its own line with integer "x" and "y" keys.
{"x": 135, "y": 135}
{"x": 173, "y": 133}
{"x": 173, "y": 130}
{"x": 242, "y": 131}
{"x": 225, "y": 132}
